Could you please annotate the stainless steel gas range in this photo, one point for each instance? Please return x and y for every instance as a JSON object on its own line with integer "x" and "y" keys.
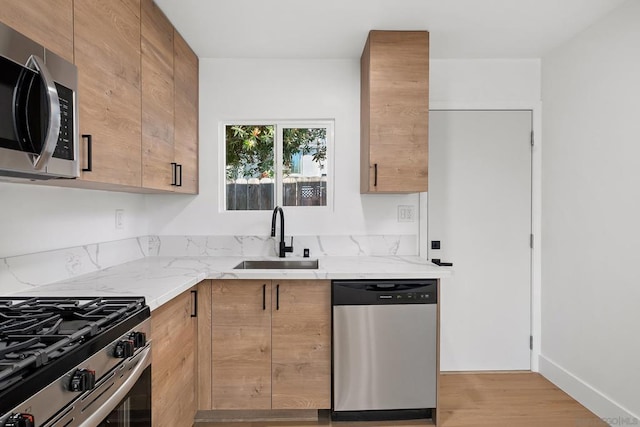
{"x": 75, "y": 362}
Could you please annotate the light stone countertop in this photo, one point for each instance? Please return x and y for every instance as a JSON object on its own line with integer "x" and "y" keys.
{"x": 160, "y": 279}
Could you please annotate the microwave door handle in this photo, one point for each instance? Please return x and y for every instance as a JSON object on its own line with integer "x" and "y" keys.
{"x": 53, "y": 128}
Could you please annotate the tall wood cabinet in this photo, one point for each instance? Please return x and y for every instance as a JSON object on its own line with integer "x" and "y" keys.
{"x": 157, "y": 97}
{"x": 173, "y": 376}
{"x": 271, "y": 344}
{"x": 48, "y": 22}
{"x": 185, "y": 71}
{"x": 394, "y": 112}
{"x": 107, "y": 54}
{"x": 169, "y": 106}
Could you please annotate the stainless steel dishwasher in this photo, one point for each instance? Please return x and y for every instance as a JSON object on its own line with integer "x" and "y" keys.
{"x": 384, "y": 349}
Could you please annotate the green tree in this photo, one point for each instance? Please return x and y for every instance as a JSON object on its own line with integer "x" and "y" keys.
{"x": 250, "y": 148}
{"x": 249, "y": 151}
{"x": 305, "y": 141}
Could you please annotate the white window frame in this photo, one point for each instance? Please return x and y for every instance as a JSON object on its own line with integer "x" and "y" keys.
{"x": 279, "y": 125}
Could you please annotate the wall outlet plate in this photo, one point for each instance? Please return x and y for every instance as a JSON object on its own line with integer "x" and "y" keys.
{"x": 119, "y": 219}
{"x": 406, "y": 213}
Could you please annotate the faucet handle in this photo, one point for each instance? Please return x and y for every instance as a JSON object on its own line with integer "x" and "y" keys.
{"x": 289, "y": 248}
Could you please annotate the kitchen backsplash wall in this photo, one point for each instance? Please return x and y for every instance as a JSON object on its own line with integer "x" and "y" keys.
{"x": 319, "y": 246}
{"x": 37, "y": 218}
{"x": 22, "y": 272}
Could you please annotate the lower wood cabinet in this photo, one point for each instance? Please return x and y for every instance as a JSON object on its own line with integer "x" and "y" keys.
{"x": 173, "y": 366}
{"x": 270, "y": 344}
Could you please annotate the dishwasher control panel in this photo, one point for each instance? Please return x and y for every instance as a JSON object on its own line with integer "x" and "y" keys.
{"x": 383, "y": 292}
{"x": 408, "y": 297}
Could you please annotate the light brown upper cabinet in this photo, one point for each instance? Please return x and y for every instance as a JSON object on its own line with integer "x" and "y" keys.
{"x": 107, "y": 54}
{"x": 157, "y": 98}
{"x": 271, "y": 344}
{"x": 394, "y": 112}
{"x": 137, "y": 90}
{"x": 169, "y": 106}
{"x": 47, "y": 22}
{"x": 185, "y": 66}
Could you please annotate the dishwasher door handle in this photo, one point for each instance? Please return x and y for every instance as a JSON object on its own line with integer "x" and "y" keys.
{"x": 382, "y": 287}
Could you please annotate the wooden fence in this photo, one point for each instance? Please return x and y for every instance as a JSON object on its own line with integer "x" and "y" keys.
{"x": 255, "y": 194}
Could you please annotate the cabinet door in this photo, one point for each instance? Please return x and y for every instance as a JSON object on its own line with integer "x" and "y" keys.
{"x": 173, "y": 375}
{"x": 241, "y": 344}
{"x": 186, "y": 114}
{"x": 107, "y": 54}
{"x": 48, "y": 22}
{"x": 157, "y": 98}
{"x": 301, "y": 340}
{"x": 395, "y": 112}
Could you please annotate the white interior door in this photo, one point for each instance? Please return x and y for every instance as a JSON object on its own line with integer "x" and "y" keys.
{"x": 479, "y": 208}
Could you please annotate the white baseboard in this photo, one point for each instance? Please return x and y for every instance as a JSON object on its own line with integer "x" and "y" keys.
{"x": 592, "y": 399}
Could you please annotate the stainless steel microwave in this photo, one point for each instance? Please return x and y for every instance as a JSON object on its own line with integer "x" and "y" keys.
{"x": 38, "y": 111}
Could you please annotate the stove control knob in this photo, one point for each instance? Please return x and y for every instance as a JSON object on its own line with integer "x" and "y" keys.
{"x": 83, "y": 380}
{"x": 139, "y": 339}
{"x": 20, "y": 420}
{"x": 124, "y": 349}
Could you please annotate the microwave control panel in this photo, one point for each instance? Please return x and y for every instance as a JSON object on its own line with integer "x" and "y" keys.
{"x": 64, "y": 148}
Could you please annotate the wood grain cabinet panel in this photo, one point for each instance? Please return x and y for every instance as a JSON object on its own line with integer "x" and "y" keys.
{"x": 271, "y": 344}
{"x": 186, "y": 114}
{"x": 241, "y": 344}
{"x": 394, "y": 112}
{"x": 48, "y": 22}
{"x": 107, "y": 54}
{"x": 301, "y": 345}
{"x": 173, "y": 376}
{"x": 157, "y": 98}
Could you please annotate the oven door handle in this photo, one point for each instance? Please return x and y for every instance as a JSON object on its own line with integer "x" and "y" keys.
{"x": 114, "y": 400}
{"x": 53, "y": 127}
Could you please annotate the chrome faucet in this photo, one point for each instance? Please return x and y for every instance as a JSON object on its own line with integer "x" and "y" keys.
{"x": 283, "y": 247}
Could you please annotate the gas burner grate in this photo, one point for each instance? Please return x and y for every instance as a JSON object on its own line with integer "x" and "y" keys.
{"x": 35, "y": 331}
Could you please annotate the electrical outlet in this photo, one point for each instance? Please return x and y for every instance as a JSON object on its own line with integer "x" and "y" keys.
{"x": 119, "y": 219}
{"x": 406, "y": 213}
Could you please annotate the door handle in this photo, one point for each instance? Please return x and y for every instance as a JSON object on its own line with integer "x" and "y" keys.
{"x": 53, "y": 128}
{"x": 89, "y": 167}
{"x": 264, "y": 297}
{"x": 278, "y": 297}
{"x": 437, "y": 261}
{"x": 375, "y": 174}
{"x": 194, "y": 303}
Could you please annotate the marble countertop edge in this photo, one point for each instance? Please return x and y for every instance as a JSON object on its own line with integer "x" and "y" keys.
{"x": 160, "y": 279}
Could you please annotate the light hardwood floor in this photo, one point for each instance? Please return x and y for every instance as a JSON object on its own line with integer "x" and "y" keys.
{"x": 486, "y": 399}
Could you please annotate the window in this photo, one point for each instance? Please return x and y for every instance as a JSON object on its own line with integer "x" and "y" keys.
{"x": 277, "y": 163}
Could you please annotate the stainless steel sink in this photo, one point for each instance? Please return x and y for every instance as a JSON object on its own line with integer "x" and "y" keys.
{"x": 284, "y": 264}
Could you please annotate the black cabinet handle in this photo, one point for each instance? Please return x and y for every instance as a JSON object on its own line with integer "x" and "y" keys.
{"x": 437, "y": 261}
{"x": 375, "y": 174}
{"x": 89, "y": 139}
{"x": 264, "y": 297}
{"x": 176, "y": 174}
{"x": 277, "y": 297}
{"x": 194, "y": 303}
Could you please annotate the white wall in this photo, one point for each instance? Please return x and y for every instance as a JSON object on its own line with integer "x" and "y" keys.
{"x": 590, "y": 212}
{"x": 484, "y": 83}
{"x": 36, "y": 218}
{"x": 262, "y": 89}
